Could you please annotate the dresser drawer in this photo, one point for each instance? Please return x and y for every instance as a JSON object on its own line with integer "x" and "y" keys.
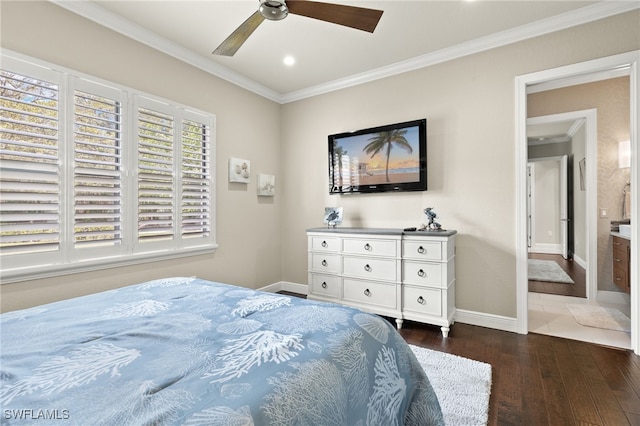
{"x": 375, "y": 269}
{"x": 422, "y": 273}
{"x": 368, "y": 293}
{"x": 422, "y": 250}
{"x": 422, "y": 300}
{"x": 320, "y": 243}
{"x": 329, "y": 263}
{"x": 369, "y": 247}
{"x": 325, "y": 285}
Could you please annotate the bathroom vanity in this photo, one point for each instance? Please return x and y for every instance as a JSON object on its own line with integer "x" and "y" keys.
{"x": 622, "y": 260}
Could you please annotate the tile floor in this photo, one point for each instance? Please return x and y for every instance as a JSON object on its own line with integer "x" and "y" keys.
{"x": 549, "y": 315}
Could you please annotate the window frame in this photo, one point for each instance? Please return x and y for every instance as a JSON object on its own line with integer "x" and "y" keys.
{"x": 68, "y": 259}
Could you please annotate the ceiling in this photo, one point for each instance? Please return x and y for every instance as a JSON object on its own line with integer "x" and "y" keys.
{"x": 410, "y": 34}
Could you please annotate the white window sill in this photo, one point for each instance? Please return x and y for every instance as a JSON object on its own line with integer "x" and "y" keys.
{"x": 54, "y": 270}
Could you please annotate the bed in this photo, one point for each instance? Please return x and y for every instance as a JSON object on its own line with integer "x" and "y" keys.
{"x": 189, "y": 351}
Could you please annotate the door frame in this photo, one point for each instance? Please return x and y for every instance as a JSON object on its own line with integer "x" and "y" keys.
{"x": 628, "y": 61}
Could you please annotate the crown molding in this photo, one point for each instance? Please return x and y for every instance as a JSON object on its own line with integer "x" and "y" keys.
{"x": 548, "y": 140}
{"x": 575, "y": 127}
{"x": 123, "y": 26}
{"x": 115, "y": 22}
{"x": 545, "y": 26}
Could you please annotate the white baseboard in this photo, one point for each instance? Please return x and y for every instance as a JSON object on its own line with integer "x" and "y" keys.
{"x": 286, "y": 286}
{"x": 613, "y": 297}
{"x": 482, "y": 319}
{"x": 546, "y": 248}
{"x": 580, "y": 261}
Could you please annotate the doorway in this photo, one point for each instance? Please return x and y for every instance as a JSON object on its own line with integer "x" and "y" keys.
{"x": 548, "y": 192}
{"x": 554, "y": 265}
{"x": 623, "y": 63}
{"x": 558, "y": 146}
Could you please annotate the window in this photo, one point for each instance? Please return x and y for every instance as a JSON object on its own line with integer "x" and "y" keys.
{"x": 97, "y": 170}
{"x": 30, "y": 179}
{"x": 165, "y": 210}
{"x": 95, "y": 175}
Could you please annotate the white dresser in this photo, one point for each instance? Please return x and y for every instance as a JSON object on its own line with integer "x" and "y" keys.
{"x": 389, "y": 272}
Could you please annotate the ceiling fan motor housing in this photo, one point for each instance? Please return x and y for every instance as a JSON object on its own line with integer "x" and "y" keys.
{"x": 273, "y": 10}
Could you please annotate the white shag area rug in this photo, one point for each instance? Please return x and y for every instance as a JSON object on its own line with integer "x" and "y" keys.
{"x": 547, "y": 270}
{"x": 600, "y": 317}
{"x": 462, "y": 385}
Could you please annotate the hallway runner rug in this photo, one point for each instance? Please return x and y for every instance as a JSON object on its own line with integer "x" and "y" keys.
{"x": 547, "y": 270}
{"x": 462, "y": 385}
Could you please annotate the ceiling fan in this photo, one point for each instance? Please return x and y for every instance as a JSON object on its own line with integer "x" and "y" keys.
{"x": 275, "y": 10}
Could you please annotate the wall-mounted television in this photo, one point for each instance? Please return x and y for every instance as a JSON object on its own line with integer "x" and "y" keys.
{"x": 390, "y": 158}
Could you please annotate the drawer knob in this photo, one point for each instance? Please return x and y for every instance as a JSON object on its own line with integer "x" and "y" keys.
{"x": 324, "y": 244}
{"x": 324, "y": 284}
{"x": 421, "y": 300}
{"x": 421, "y": 250}
{"x": 421, "y": 273}
{"x": 617, "y": 260}
{"x": 324, "y": 262}
{"x": 367, "y": 292}
{"x": 367, "y": 268}
{"x": 367, "y": 247}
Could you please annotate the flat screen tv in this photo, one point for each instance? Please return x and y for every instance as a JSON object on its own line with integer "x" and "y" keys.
{"x": 390, "y": 158}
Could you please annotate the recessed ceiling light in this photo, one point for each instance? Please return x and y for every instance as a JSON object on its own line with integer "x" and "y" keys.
{"x": 289, "y": 60}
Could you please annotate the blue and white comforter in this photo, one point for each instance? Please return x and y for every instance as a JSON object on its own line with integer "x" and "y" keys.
{"x": 189, "y": 351}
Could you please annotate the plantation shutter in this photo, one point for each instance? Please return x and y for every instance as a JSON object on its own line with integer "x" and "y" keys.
{"x": 156, "y": 192}
{"x": 97, "y": 170}
{"x": 196, "y": 178}
{"x": 95, "y": 175}
{"x": 29, "y": 164}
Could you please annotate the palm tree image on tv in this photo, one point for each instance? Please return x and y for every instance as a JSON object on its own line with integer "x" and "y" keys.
{"x": 384, "y": 141}
{"x": 338, "y": 152}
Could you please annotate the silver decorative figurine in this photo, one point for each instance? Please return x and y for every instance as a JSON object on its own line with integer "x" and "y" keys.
{"x": 431, "y": 225}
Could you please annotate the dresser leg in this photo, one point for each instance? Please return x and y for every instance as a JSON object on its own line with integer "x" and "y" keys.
{"x": 399, "y": 323}
{"x": 445, "y": 332}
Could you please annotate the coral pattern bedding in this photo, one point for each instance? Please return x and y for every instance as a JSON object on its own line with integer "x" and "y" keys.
{"x": 194, "y": 352}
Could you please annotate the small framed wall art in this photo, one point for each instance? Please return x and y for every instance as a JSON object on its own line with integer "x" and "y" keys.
{"x": 266, "y": 185}
{"x": 239, "y": 170}
{"x": 333, "y": 216}
{"x": 582, "y": 164}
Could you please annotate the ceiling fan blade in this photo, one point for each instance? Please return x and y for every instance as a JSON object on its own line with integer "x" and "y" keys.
{"x": 237, "y": 38}
{"x": 349, "y": 16}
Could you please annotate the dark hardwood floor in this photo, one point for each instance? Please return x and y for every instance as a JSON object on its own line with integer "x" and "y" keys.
{"x": 575, "y": 271}
{"x": 544, "y": 380}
